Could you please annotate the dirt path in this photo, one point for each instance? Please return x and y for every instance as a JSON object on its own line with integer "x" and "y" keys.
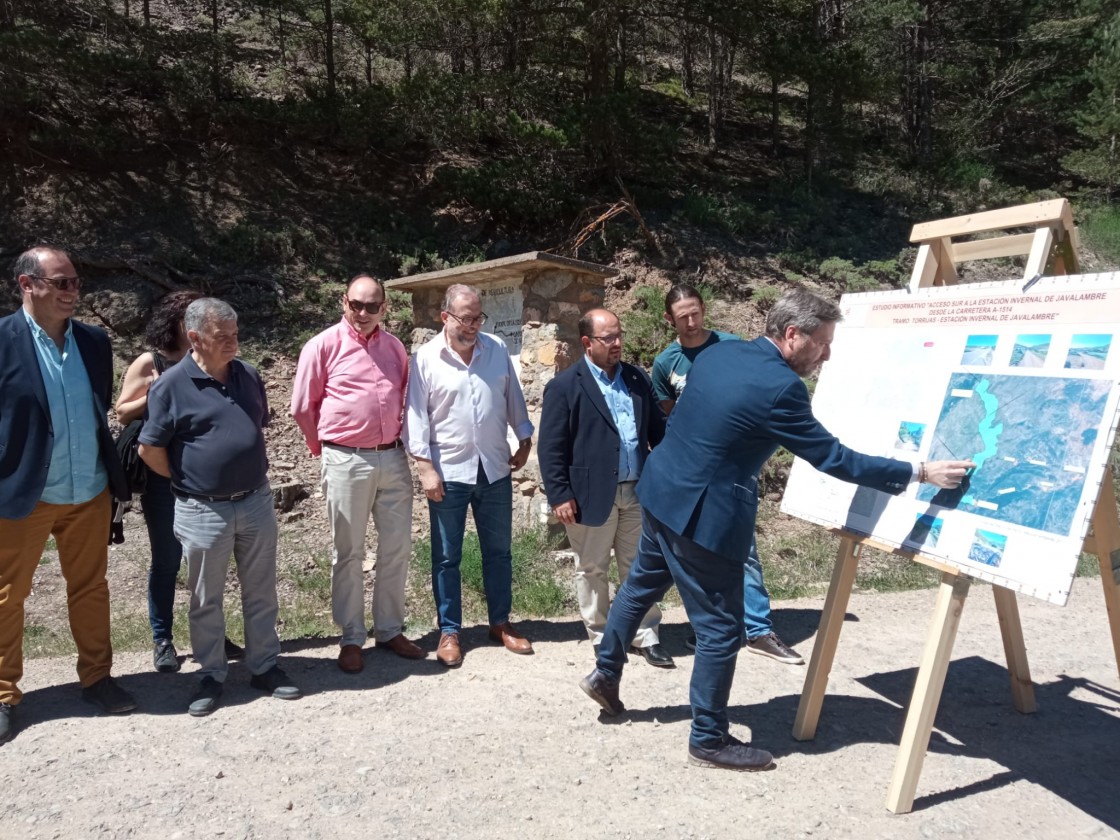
{"x": 508, "y": 746}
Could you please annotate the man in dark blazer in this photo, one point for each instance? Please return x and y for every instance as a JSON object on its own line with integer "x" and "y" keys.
{"x": 699, "y": 499}
{"x": 58, "y": 472}
{"x": 598, "y": 423}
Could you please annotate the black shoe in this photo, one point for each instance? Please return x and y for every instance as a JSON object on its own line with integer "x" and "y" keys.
{"x": 234, "y": 650}
{"x": 690, "y": 643}
{"x": 7, "y": 725}
{"x": 771, "y": 645}
{"x": 206, "y": 699}
{"x": 276, "y": 682}
{"x": 603, "y": 691}
{"x": 112, "y": 699}
{"x": 165, "y": 657}
{"x": 733, "y": 755}
{"x": 655, "y": 655}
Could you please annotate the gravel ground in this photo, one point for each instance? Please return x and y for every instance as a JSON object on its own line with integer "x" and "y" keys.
{"x": 509, "y": 746}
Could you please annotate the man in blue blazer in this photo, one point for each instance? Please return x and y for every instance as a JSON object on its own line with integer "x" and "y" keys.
{"x": 58, "y": 471}
{"x": 699, "y": 499}
{"x": 598, "y": 422}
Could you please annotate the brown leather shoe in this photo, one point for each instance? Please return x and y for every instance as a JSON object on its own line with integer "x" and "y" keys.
{"x": 403, "y": 646}
{"x": 449, "y": 652}
{"x": 506, "y": 634}
{"x": 350, "y": 659}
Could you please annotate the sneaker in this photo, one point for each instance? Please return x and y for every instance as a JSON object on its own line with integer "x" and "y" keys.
{"x": 165, "y": 657}
{"x": 276, "y": 682}
{"x": 772, "y": 646}
{"x": 7, "y": 725}
{"x": 233, "y": 650}
{"x": 112, "y": 699}
{"x": 206, "y": 699}
{"x": 690, "y": 643}
{"x": 733, "y": 755}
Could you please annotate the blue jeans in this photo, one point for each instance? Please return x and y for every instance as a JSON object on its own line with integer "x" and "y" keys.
{"x": 492, "y": 505}
{"x": 158, "y": 505}
{"x": 711, "y": 587}
{"x": 756, "y": 600}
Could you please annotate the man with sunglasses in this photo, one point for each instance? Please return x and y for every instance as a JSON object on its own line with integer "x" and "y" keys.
{"x": 58, "y": 471}
{"x": 463, "y": 397}
{"x": 598, "y": 422}
{"x": 348, "y": 400}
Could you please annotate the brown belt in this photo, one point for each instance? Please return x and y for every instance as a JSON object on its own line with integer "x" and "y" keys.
{"x": 381, "y": 447}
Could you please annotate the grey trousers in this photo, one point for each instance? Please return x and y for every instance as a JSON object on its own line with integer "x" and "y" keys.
{"x": 210, "y": 533}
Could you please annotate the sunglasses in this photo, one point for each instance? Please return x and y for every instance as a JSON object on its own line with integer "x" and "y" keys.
{"x": 63, "y": 284}
{"x": 359, "y": 306}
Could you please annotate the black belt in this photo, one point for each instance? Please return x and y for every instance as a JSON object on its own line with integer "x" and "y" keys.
{"x": 381, "y": 447}
{"x": 202, "y": 497}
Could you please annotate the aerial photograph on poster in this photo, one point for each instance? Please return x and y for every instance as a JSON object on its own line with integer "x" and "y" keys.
{"x": 1030, "y": 351}
{"x": 1031, "y": 438}
{"x": 925, "y": 533}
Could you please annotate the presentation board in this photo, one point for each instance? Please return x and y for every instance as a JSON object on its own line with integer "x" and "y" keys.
{"x": 1022, "y": 379}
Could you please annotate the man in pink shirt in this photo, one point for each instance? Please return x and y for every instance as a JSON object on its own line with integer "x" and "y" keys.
{"x": 348, "y": 399}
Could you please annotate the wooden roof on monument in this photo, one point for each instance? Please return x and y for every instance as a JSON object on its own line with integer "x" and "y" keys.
{"x": 506, "y": 268}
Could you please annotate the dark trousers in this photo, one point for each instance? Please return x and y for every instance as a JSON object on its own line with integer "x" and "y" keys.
{"x": 158, "y": 504}
{"x": 711, "y": 587}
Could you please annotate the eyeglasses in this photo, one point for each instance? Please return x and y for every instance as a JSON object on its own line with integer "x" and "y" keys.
{"x": 613, "y": 338}
{"x": 359, "y": 306}
{"x": 63, "y": 284}
{"x": 470, "y": 322}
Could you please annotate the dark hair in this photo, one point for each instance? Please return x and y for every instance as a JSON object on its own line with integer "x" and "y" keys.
{"x": 679, "y": 292}
{"x": 162, "y": 331}
{"x": 585, "y": 325}
{"x": 800, "y": 308}
{"x": 31, "y": 260}
{"x": 365, "y": 276}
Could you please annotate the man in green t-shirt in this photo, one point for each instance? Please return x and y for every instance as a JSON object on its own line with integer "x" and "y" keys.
{"x": 684, "y": 310}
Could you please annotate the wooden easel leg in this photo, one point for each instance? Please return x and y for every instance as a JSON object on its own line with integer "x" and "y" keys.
{"x": 927, "y": 692}
{"x": 1022, "y": 689}
{"x": 828, "y": 635}
{"x": 1106, "y": 534}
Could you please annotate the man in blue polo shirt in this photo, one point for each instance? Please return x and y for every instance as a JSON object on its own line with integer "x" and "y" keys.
{"x": 203, "y": 431}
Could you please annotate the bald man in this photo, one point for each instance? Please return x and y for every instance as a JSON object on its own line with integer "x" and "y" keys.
{"x": 348, "y": 399}
{"x": 599, "y": 421}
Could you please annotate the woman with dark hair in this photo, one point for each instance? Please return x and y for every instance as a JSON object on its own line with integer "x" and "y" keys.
{"x": 167, "y": 337}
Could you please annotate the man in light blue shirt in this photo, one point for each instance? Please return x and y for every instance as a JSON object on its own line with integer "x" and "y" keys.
{"x": 58, "y": 471}
{"x": 598, "y": 423}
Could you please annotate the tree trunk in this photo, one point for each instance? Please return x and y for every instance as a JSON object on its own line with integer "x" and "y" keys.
{"x": 621, "y": 50}
{"x": 775, "y": 115}
{"x": 369, "y": 61}
{"x": 688, "y": 76}
{"x": 216, "y": 60}
{"x": 146, "y": 8}
{"x": 328, "y": 43}
{"x": 721, "y": 61}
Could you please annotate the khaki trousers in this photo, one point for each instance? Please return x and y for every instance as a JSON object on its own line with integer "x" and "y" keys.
{"x": 358, "y": 485}
{"x": 592, "y": 546}
{"x": 81, "y": 533}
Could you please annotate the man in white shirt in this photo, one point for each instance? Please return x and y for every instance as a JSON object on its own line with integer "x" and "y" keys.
{"x": 463, "y": 394}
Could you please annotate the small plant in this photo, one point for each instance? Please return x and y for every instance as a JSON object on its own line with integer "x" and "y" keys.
{"x": 765, "y": 297}
{"x": 646, "y": 331}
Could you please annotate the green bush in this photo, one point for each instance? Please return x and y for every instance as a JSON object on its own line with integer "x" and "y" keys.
{"x": 1101, "y": 228}
{"x": 646, "y": 331}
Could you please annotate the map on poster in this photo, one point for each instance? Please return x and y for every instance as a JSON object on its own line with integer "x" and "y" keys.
{"x": 1026, "y": 384}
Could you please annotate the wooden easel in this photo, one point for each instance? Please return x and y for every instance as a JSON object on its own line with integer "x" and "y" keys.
{"x": 1051, "y": 249}
{"x": 1103, "y": 541}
